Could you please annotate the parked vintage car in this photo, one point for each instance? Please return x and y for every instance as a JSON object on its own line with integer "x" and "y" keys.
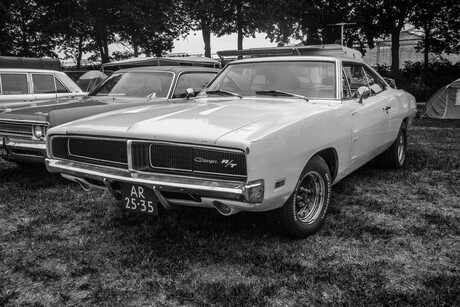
{"x": 21, "y": 87}
{"x": 269, "y": 134}
{"x": 22, "y": 131}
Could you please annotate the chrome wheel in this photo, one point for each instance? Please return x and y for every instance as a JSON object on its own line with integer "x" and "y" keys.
{"x": 304, "y": 211}
{"x": 310, "y": 197}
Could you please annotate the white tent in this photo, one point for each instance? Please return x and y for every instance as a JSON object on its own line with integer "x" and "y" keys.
{"x": 445, "y": 103}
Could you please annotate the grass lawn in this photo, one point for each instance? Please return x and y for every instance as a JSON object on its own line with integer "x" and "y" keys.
{"x": 391, "y": 238}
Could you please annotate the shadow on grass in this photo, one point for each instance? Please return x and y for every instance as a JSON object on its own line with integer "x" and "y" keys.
{"x": 28, "y": 177}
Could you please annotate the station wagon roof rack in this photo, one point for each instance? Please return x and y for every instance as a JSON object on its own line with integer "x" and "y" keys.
{"x": 31, "y": 63}
{"x": 161, "y": 61}
{"x": 312, "y": 50}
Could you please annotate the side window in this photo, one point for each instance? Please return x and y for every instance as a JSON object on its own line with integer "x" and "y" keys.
{"x": 376, "y": 84}
{"x": 196, "y": 81}
{"x": 43, "y": 84}
{"x": 356, "y": 76}
{"x": 14, "y": 84}
{"x": 59, "y": 87}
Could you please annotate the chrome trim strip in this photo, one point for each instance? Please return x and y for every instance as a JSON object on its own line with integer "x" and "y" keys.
{"x": 191, "y": 145}
{"x": 24, "y": 121}
{"x": 25, "y": 145}
{"x": 129, "y": 154}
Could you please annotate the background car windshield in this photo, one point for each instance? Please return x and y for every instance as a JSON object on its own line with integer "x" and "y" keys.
{"x": 137, "y": 84}
{"x": 313, "y": 79}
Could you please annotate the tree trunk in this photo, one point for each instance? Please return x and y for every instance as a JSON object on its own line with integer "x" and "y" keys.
{"x": 239, "y": 24}
{"x": 80, "y": 51}
{"x": 240, "y": 39}
{"x": 206, "y": 38}
{"x": 395, "y": 53}
{"x": 395, "y": 44}
{"x": 426, "y": 51}
{"x": 135, "y": 48}
{"x": 105, "y": 55}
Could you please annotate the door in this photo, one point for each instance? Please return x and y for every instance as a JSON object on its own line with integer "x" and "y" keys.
{"x": 44, "y": 87}
{"x": 369, "y": 117}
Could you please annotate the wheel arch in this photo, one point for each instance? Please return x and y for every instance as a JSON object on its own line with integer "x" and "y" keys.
{"x": 406, "y": 122}
{"x": 330, "y": 156}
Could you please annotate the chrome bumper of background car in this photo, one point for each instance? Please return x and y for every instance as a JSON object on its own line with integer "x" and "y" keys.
{"x": 212, "y": 192}
{"x": 24, "y": 151}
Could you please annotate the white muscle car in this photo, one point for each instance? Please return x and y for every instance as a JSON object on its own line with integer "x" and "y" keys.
{"x": 269, "y": 134}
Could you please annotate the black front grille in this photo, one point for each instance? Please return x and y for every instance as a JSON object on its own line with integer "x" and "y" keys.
{"x": 16, "y": 129}
{"x": 197, "y": 159}
{"x": 171, "y": 157}
{"x": 112, "y": 151}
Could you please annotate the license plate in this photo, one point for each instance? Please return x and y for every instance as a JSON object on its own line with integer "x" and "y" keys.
{"x": 139, "y": 198}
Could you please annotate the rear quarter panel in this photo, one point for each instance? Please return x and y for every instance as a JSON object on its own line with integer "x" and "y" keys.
{"x": 403, "y": 105}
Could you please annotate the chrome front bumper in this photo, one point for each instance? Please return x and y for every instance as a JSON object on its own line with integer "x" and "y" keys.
{"x": 232, "y": 193}
{"x": 25, "y": 150}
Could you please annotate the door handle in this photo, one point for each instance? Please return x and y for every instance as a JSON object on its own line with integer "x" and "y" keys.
{"x": 386, "y": 108}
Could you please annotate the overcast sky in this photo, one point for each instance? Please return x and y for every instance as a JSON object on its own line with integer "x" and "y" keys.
{"x": 194, "y": 44}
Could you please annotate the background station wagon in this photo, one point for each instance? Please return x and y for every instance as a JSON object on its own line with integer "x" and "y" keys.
{"x": 22, "y": 131}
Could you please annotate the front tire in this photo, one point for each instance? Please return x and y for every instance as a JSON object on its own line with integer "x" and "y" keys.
{"x": 395, "y": 156}
{"x": 304, "y": 211}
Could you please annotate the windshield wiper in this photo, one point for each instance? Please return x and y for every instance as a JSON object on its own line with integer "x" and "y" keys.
{"x": 224, "y": 93}
{"x": 280, "y": 93}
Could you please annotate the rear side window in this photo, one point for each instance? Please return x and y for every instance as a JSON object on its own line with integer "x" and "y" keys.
{"x": 14, "y": 84}
{"x": 60, "y": 88}
{"x": 43, "y": 84}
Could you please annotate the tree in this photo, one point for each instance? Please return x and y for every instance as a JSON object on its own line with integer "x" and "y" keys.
{"x": 26, "y": 29}
{"x": 440, "y": 24}
{"x": 309, "y": 21}
{"x": 200, "y": 16}
{"x": 149, "y": 26}
{"x": 70, "y": 27}
{"x": 282, "y": 21}
{"x": 242, "y": 17}
{"x": 383, "y": 18}
{"x": 6, "y": 41}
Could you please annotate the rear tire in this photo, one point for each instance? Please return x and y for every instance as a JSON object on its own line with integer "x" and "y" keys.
{"x": 304, "y": 211}
{"x": 395, "y": 156}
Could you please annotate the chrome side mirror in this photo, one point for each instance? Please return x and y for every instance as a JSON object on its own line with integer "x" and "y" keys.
{"x": 190, "y": 93}
{"x": 362, "y": 92}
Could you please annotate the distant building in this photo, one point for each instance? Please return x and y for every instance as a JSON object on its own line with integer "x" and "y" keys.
{"x": 409, "y": 38}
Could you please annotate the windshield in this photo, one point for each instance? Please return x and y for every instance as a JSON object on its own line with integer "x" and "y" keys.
{"x": 306, "y": 79}
{"x": 136, "y": 84}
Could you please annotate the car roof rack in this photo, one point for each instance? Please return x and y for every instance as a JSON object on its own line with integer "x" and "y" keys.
{"x": 30, "y": 63}
{"x": 311, "y": 50}
{"x": 161, "y": 61}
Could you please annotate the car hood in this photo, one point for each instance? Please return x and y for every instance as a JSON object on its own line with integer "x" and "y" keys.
{"x": 241, "y": 120}
{"x": 58, "y": 113}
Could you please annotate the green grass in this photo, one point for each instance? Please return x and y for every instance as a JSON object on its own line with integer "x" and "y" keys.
{"x": 391, "y": 238}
